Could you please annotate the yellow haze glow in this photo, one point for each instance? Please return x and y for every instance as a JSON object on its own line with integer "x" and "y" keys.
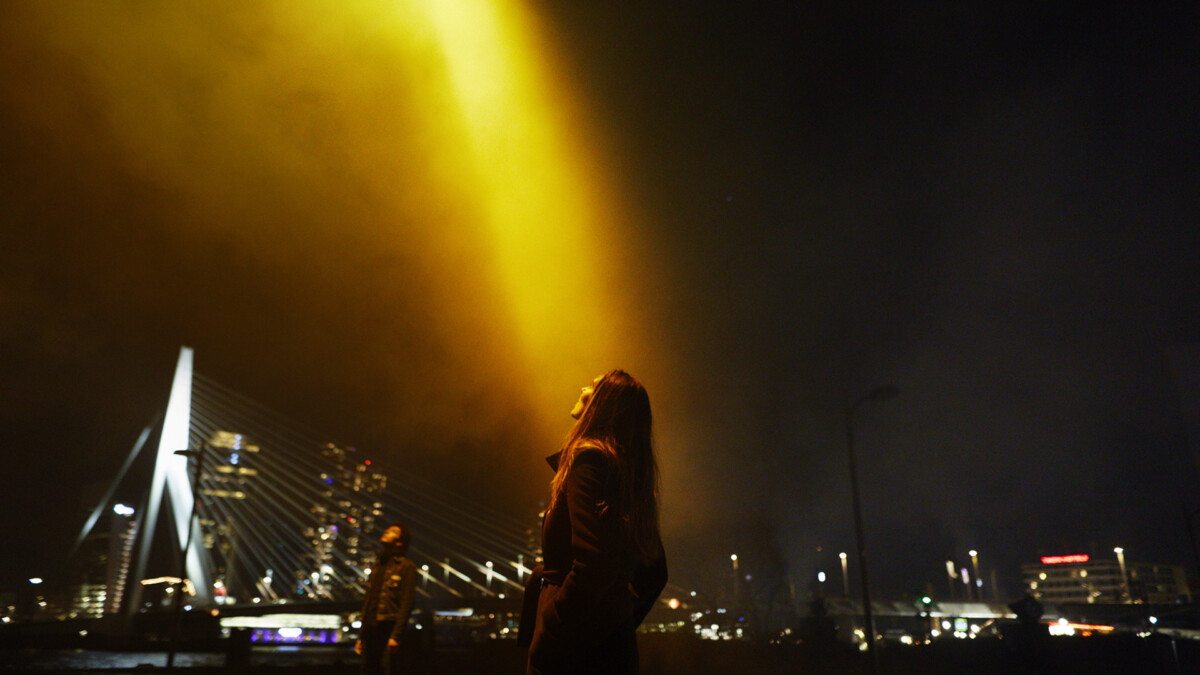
{"x": 541, "y": 207}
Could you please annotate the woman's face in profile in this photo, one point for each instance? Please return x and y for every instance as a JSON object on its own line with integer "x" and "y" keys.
{"x": 391, "y": 534}
{"x": 585, "y": 397}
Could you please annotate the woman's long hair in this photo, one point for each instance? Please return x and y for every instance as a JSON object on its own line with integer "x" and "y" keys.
{"x": 617, "y": 420}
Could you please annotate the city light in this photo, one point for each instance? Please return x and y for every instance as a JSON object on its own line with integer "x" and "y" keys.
{"x": 123, "y": 510}
{"x": 1063, "y": 559}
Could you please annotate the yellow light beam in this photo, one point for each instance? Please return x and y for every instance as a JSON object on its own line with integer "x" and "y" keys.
{"x": 540, "y": 205}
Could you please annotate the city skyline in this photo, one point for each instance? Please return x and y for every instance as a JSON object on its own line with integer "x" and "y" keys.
{"x": 229, "y": 467}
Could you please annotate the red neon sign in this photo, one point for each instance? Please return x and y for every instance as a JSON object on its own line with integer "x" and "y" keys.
{"x": 1060, "y": 559}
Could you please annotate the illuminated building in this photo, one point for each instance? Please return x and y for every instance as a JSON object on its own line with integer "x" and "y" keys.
{"x": 226, "y": 477}
{"x": 101, "y": 566}
{"x": 240, "y": 477}
{"x": 120, "y": 555}
{"x": 87, "y": 601}
{"x": 1079, "y": 578}
{"x": 226, "y": 482}
{"x": 346, "y": 522}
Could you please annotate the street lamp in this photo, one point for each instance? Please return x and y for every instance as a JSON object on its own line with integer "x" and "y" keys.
{"x": 975, "y": 567}
{"x": 881, "y": 393}
{"x": 196, "y": 457}
{"x": 1124, "y": 579}
{"x": 845, "y": 576}
{"x": 733, "y": 559}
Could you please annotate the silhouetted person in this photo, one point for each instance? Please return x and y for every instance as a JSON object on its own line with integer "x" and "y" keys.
{"x": 1031, "y": 634}
{"x": 818, "y": 628}
{"x": 604, "y": 562}
{"x": 391, "y": 590}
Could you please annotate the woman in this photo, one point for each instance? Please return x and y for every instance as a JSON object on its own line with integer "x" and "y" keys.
{"x": 603, "y": 560}
{"x": 391, "y": 590}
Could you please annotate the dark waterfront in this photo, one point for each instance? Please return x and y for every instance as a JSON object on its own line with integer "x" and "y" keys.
{"x": 1124, "y": 654}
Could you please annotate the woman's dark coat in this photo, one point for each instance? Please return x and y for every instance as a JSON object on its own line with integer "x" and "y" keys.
{"x": 593, "y": 591}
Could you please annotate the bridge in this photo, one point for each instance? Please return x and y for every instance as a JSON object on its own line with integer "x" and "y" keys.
{"x": 262, "y": 510}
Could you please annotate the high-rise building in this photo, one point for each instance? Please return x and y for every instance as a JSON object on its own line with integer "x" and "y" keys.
{"x": 346, "y": 521}
{"x": 226, "y": 483}
{"x": 88, "y": 591}
{"x": 101, "y": 565}
{"x": 122, "y": 539}
{"x": 1079, "y": 578}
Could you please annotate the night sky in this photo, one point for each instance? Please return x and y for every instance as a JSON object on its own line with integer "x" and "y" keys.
{"x": 992, "y": 206}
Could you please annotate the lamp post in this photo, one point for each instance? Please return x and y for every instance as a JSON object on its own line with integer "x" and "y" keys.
{"x": 845, "y": 576}
{"x": 733, "y": 560}
{"x": 1124, "y": 579}
{"x": 975, "y": 568}
{"x": 196, "y": 456}
{"x": 881, "y": 393}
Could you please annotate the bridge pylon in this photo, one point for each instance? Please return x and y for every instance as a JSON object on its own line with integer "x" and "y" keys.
{"x": 171, "y": 480}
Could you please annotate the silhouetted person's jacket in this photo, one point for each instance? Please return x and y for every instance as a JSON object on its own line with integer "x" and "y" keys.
{"x": 593, "y": 592}
{"x": 391, "y": 592}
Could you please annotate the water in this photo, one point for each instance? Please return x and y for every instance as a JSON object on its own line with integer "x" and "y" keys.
{"x": 85, "y": 659}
